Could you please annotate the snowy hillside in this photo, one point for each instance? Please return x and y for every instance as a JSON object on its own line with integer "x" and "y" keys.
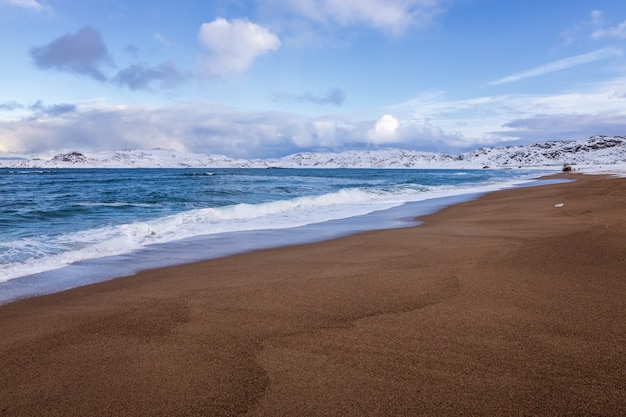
{"x": 594, "y": 151}
{"x": 597, "y": 150}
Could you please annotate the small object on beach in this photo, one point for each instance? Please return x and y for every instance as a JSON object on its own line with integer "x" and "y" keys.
{"x": 567, "y": 167}
{"x": 559, "y": 205}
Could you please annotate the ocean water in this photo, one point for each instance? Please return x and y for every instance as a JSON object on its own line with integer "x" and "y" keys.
{"x": 61, "y": 228}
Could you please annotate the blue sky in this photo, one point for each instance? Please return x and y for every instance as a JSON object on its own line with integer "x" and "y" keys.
{"x": 264, "y": 78}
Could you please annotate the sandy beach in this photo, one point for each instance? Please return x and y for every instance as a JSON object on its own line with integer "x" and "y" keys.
{"x": 508, "y": 305}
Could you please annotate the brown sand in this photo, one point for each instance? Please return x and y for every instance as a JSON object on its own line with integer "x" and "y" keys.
{"x": 503, "y": 306}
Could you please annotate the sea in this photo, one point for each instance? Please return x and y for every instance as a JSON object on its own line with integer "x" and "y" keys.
{"x": 63, "y": 228}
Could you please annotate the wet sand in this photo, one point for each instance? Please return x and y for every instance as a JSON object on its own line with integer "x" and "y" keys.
{"x": 506, "y": 305}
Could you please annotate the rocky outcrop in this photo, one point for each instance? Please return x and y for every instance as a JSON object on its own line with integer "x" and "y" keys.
{"x": 73, "y": 157}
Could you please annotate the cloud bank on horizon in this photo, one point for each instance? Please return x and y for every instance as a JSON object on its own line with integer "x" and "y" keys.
{"x": 267, "y": 78}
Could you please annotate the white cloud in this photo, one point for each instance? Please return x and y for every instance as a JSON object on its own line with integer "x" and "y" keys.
{"x": 325, "y": 133}
{"x": 598, "y": 108}
{"x": 594, "y": 28}
{"x": 385, "y": 130}
{"x": 203, "y": 128}
{"x": 600, "y": 31}
{"x": 234, "y": 45}
{"x": 25, "y": 4}
{"x": 196, "y": 128}
{"x": 393, "y": 16}
{"x": 597, "y": 55}
{"x": 430, "y": 122}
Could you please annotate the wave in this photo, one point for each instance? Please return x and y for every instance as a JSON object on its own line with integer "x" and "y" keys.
{"x": 198, "y": 174}
{"x": 53, "y": 253}
{"x": 32, "y": 256}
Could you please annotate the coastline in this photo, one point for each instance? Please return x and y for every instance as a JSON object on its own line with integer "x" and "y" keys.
{"x": 197, "y": 249}
{"x": 503, "y": 305}
{"x": 215, "y": 245}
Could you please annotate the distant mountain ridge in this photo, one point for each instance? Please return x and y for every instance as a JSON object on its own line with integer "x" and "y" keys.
{"x": 596, "y": 150}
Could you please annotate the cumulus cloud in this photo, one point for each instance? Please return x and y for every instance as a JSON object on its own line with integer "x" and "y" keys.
{"x": 597, "y": 55}
{"x": 81, "y": 53}
{"x": 25, "y": 4}
{"x": 203, "y": 128}
{"x": 385, "y": 130}
{"x": 232, "y": 46}
{"x": 393, "y": 16}
{"x": 334, "y": 96}
{"x": 141, "y": 77}
{"x": 428, "y": 123}
{"x": 421, "y": 135}
{"x": 186, "y": 128}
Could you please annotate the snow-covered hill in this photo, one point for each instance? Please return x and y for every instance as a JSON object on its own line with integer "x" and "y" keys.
{"x": 595, "y": 151}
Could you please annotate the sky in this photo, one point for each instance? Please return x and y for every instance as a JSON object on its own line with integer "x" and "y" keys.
{"x": 268, "y": 78}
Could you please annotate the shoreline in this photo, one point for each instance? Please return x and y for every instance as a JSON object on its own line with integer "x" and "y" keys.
{"x": 502, "y": 305}
{"x": 209, "y": 247}
{"x": 206, "y": 247}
